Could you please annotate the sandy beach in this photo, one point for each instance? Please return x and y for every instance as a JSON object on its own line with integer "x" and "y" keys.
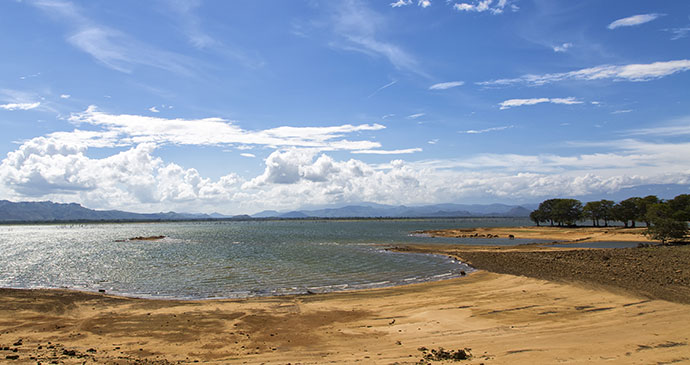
{"x": 520, "y": 309}
{"x": 551, "y": 233}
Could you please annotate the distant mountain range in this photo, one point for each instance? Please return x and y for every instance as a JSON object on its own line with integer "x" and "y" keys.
{"x": 388, "y": 211}
{"x": 51, "y": 212}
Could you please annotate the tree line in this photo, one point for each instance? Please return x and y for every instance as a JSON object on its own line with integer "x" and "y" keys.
{"x": 665, "y": 219}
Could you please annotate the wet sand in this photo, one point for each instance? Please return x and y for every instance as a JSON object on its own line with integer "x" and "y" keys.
{"x": 503, "y": 318}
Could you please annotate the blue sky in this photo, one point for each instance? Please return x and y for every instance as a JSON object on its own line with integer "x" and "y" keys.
{"x": 240, "y": 106}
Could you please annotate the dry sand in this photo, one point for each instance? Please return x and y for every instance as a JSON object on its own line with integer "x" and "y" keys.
{"x": 502, "y": 318}
{"x": 567, "y": 234}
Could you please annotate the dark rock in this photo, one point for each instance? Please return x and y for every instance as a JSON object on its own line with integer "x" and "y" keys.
{"x": 12, "y": 357}
{"x": 69, "y": 352}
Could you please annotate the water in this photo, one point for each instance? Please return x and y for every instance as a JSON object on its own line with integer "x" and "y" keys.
{"x": 227, "y": 259}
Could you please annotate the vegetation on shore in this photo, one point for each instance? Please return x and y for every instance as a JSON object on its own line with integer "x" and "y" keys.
{"x": 666, "y": 220}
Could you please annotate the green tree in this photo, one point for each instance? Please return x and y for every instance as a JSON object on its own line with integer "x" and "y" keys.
{"x": 537, "y": 216}
{"x": 567, "y": 211}
{"x": 664, "y": 225}
{"x": 607, "y": 211}
{"x": 627, "y": 211}
{"x": 680, "y": 207}
{"x": 592, "y": 210}
{"x": 642, "y": 206}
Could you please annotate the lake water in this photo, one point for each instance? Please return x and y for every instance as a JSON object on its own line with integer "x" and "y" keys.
{"x": 229, "y": 259}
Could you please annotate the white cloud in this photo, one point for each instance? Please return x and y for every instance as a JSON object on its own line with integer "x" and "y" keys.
{"x": 632, "y": 72}
{"x": 481, "y": 6}
{"x": 415, "y": 116}
{"x": 134, "y": 179}
{"x": 153, "y": 109}
{"x": 633, "y": 20}
{"x": 446, "y": 85}
{"x": 677, "y": 127}
{"x": 359, "y": 26}
{"x": 678, "y": 33}
{"x": 522, "y": 102}
{"x": 621, "y": 111}
{"x": 383, "y": 87}
{"x": 20, "y": 106}
{"x": 111, "y": 47}
{"x": 493, "y": 129}
{"x": 124, "y": 130}
{"x": 388, "y": 152}
{"x": 247, "y": 155}
{"x": 65, "y": 96}
{"x": 401, "y": 3}
{"x": 563, "y": 47}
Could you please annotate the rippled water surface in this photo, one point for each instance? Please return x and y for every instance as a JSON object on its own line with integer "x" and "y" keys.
{"x": 226, "y": 259}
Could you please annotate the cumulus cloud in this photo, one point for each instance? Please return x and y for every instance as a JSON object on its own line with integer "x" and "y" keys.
{"x": 153, "y": 109}
{"x": 522, "y": 102}
{"x": 632, "y": 72}
{"x": 633, "y": 20}
{"x": 446, "y": 85}
{"x": 135, "y": 179}
{"x": 20, "y": 106}
{"x": 65, "y": 96}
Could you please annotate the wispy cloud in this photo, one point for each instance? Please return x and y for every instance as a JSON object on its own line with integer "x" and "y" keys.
{"x": 522, "y": 102}
{"x": 388, "y": 152}
{"x": 622, "y": 111}
{"x": 562, "y": 48}
{"x": 487, "y": 130}
{"x": 415, "y": 116}
{"x": 245, "y": 154}
{"x": 20, "y": 106}
{"x": 678, "y": 127}
{"x": 482, "y": 6}
{"x": 153, "y": 109}
{"x": 401, "y": 3}
{"x": 632, "y": 72}
{"x": 446, "y": 85}
{"x": 65, "y": 96}
{"x": 111, "y": 47}
{"x": 633, "y": 20}
{"x": 126, "y": 130}
{"x": 359, "y": 26}
{"x": 678, "y": 33}
{"x": 383, "y": 87}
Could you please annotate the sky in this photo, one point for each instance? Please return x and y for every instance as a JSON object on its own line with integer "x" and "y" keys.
{"x": 239, "y": 106}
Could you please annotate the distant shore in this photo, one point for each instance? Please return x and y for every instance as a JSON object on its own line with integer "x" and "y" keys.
{"x": 530, "y": 304}
{"x": 550, "y": 233}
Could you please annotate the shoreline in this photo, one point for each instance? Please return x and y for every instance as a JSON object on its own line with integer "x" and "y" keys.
{"x": 552, "y": 233}
{"x": 515, "y": 313}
